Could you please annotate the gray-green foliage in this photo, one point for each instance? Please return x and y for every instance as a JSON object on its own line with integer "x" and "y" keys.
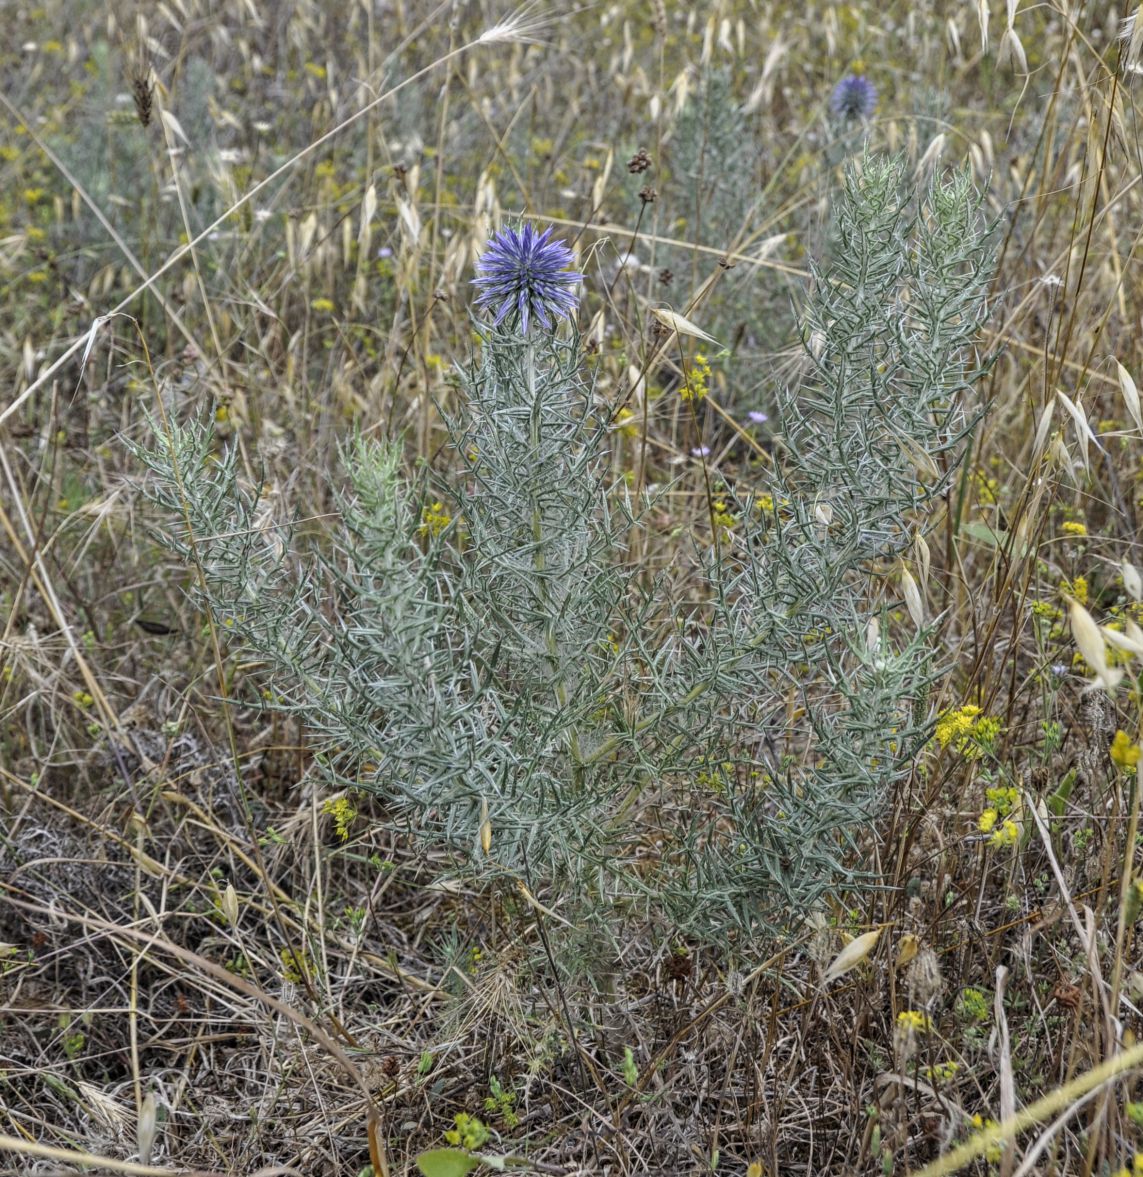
{"x": 713, "y": 161}
{"x": 712, "y": 198}
{"x": 514, "y": 667}
{"x": 874, "y": 431}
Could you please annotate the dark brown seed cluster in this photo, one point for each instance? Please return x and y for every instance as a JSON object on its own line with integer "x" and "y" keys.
{"x": 639, "y": 162}
{"x": 143, "y": 91}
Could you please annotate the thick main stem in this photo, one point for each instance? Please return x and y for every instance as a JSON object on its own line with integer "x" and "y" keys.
{"x": 539, "y": 559}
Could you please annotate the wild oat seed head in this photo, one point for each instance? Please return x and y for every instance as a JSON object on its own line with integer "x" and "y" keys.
{"x": 524, "y": 274}
{"x": 522, "y": 26}
{"x": 854, "y": 97}
{"x": 1131, "y": 33}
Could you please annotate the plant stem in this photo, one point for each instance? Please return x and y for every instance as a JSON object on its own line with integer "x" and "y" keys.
{"x": 539, "y": 559}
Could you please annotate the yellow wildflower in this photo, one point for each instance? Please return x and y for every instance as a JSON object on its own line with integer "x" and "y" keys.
{"x": 954, "y": 726}
{"x": 1073, "y": 528}
{"x": 722, "y": 517}
{"x": 434, "y": 519}
{"x": 1007, "y": 834}
{"x": 1003, "y": 798}
{"x": 987, "y": 488}
{"x": 624, "y": 423}
{"x": 295, "y": 964}
{"x": 1123, "y": 751}
{"x": 987, "y": 821}
{"x": 342, "y": 811}
{"x": 984, "y": 733}
{"x": 695, "y": 381}
{"x": 1075, "y": 588}
{"x": 470, "y": 1132}
{"x": 996, "y": 1144}
{"x": 913, "y": 1019}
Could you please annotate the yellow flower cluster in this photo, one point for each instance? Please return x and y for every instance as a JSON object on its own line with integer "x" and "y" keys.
{"x": 984, "y": 732}
{"x": 470, "y": 1132}
{"x": 973, "y": 1005}
{"x": 1002, "y": 801}
{"x": 625, "y": 423}
{"x": 995, "y": 1148}
{"x": 1075, "y": 588}
{"x": 1136, "y": 1169}
{"x": 434, "y": 519}
{"x": 1046, "y": 610}
{"x": 715, "y": 778}
{"x": 296, "y": 964}
{"x": 342, "y": 811}
{"x": 1003, "y": 798}
{"x": 1073, "y": 528}
{"x": 953, "y": 727}
{"x": 913, "y": 1019}
{"x": 987, "y": 488}
{"x": 695, "y": 385}
{"x": 721, "y": 515}
{"x": 967, "y": 731}
{"x": 1007, "y": 833}
{"x": 1123, "y": 752}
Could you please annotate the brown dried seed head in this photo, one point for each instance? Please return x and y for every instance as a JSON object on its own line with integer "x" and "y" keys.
{"x": 143, "y": 92}
{"x": 639, "y": 162}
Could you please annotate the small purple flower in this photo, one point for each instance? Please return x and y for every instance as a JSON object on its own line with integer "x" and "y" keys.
{"x": 525, "y": 275}
{"x": 757, "y": 417}
{"x": 854, "y": 97}
{"x": 701, "y": 451}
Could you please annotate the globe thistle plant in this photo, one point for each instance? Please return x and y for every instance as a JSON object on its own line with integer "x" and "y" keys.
{"x": 500, "y": 671}
{"x": 524, "y": 276}
{"x": 854, "y": 97}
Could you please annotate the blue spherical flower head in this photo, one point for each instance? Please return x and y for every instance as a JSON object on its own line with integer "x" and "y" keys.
{"x": 854, "y": 97}
{"x": 524, "y": 275}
